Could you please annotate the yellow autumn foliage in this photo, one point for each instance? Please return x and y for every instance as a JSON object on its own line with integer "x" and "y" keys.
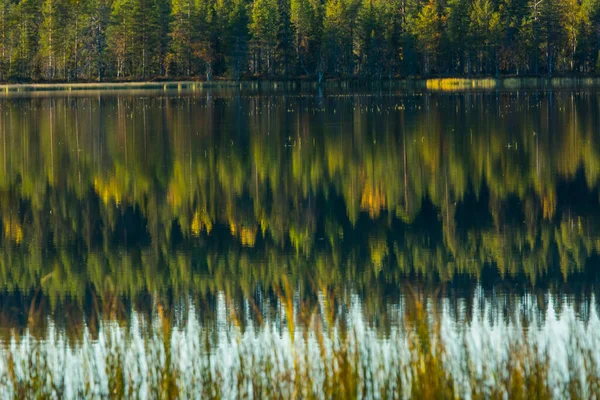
{"x": 373, "y": 200}
{"x": 13, "y": 230}
{"x": 201, "y": 221}
{"x": 108, "y": 189}
{"x": 248, "y": 236}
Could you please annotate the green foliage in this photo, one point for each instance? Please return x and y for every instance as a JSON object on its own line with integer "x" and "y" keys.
{"x": 264, "y": 27}
{"x": 180, "y": 59}
{"x": 120, "y": 35}
{"x": 66, "y": 40}
{"x": 427, "y": 29}
{"x": 485, "y": 31}
{"x": 307, "y": 22}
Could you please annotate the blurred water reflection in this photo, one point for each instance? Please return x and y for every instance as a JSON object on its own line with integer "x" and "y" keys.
{"x": 122, "y": 207}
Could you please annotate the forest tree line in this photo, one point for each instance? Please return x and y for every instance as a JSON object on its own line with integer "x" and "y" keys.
{"x": 71, "y": 40}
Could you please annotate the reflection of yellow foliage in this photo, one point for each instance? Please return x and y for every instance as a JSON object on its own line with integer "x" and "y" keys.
{"x": 247, "y": 233}
{"x": 335, "y": 159}
{"x": 263, "y": 223}
{"x": 379, "y": 251}
{"x": 177, "y": 186}
{"x": 13, "y": 230}
{"x": 196, "y": 224}
{"x": 201, "y": 220}
{"x": 372, "y": 200}
{"x": 173, "y": 197}
{"x": 431, "y": 154}
{"x": 108, "y": 190}
{"x": 549, "y": 205}
{"x": 248, "y": 236}
{"x": 299, "y": 238}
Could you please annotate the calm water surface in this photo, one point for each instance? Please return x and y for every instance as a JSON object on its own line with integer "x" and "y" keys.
{"x": 256, "y": 217}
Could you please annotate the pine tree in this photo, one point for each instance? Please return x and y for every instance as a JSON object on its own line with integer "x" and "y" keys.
{"x": 284, "y": 52}
{"x": 6, "y": 27}
{"x": 264, "y": 26}
{"x": 426, "y": 27}
{"x": 27, "y": 16}
{"x": 238, "y": 37}
{"x": 407, "y": 51}
{"x": 552, "y": 32}
{"x": 576, "y": 22}
{"x": 95, "y": 42}
{"x": 371, "y": 32}
{"x": 390, "y": 20}
{"x": 180, "y": 58}
{"x": 121, "y": 37}
{"x": 339, "y": 35}
{"x": 206, "y": 46}
{"x": 484, "y": 31}
{"x": 335, "y": 39}
{"x": 458, "y": 13}
{"x": 590, "y": 43}
{"x": 351, "y": 9}
{"x": 77, "y": 19}
{"x": 53, "y": 39}
{"x": 164, "y": 21}
{"x": 530, "y": 38}
{"x": 307, "y": 20}
{"x": 146, "y": 38}
{"x": 512, "y": 57}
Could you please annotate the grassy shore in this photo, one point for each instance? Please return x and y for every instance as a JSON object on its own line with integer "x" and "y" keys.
{"x": 434, "y": 84}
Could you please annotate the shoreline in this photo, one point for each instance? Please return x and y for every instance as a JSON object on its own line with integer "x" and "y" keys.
{"x": 432, "y": 84}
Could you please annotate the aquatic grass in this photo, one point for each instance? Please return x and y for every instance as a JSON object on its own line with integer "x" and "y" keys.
{"x": 465, "y": 84}
{"x": 430, "y": 355}
{"x": 451, "y": 84}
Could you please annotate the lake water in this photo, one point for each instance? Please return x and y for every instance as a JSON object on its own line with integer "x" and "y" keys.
{"x": 300, "y": 244}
